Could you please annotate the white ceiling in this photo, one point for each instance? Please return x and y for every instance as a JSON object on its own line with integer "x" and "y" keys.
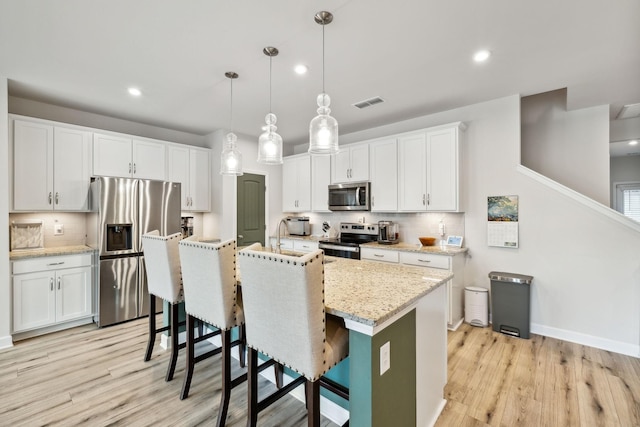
{"x": 415, "y": 54}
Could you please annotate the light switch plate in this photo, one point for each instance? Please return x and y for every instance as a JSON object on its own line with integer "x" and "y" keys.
{"x": 58, "y": 229}
{"x": 385, "y": 357}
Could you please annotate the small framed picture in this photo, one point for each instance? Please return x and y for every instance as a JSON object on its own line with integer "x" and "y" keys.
{"x": 454, "y": 241}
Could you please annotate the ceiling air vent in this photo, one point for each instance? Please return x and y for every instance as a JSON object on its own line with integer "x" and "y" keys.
{"x": 629, "y": 111}
{"x": 368, "y": 102}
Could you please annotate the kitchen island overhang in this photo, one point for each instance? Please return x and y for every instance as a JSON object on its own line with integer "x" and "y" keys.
{"x": 396, "y": 315}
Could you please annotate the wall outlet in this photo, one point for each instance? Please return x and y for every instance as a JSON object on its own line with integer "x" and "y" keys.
{"x": 58, "y": 229}
{"x": 385, "y": 357}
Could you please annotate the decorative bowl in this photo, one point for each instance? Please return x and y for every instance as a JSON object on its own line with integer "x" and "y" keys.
{"x": 427, "y": 241}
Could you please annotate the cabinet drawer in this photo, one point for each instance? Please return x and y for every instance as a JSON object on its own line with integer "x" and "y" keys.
{"x": 379, "y": 255}
{"x": 304, "y": 246}
{"x": 426, "y": 260}
{"x": 50, "y": 263}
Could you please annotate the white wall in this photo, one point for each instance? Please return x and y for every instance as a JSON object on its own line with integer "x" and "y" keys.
{"x": 553, "y": 139}
{"x": 5, "y": 283}
{"x": 586, "y": 267}
{"x": 221, "y": 222}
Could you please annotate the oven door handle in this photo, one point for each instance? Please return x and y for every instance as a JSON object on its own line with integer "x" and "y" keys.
{"x": 338, "y": 247}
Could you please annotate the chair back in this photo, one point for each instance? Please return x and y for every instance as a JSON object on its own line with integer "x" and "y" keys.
{"x": 209, "y": 281}
{"x": 162, "y": 262}
{"x": 283, "y": 298}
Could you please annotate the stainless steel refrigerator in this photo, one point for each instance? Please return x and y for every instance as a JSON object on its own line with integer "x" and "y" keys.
{"x": 124, "y": 209}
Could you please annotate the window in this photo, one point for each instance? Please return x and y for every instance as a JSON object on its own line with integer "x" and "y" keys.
{"x": 628, "y": 199}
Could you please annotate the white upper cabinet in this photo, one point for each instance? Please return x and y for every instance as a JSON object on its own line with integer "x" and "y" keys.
{"x": 123, "y": 156}
{"x": 296, "y": 184}
{"x": 351, "y": 164}
{"x": 320, "y": 180}
{"x": 428, "y": 170}
{"x": 191, "y": 168}
{"x": 51, "y": 167}
{"x": 383, "y": 156}
{"x": 412, "y": 173}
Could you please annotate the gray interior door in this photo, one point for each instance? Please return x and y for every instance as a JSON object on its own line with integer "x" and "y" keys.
{"x": 251, "y": 211}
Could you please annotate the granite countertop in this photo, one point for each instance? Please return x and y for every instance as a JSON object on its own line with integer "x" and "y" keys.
{"x": 410, "y": 247}
{"x": 60, "y": 250}
{"x": 370, "y": 292}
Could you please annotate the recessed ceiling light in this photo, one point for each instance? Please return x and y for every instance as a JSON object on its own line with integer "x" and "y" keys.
{"x": 481, "y": 55}
{"x": 134, "y": 91}
{"x": 300, "y": 69}
{"x": 634, "y": 142}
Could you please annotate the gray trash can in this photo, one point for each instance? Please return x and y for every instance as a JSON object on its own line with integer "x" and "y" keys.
{"x": 510, "y": 303}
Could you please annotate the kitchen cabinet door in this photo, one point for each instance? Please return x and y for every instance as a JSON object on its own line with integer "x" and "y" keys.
{"x": 32, "y": 166}
{"x": 351, "y": 164}
{"x": 320, "y": 180}
{"x": 72, "y": 169}
{"x": 200, "y": 180}
{"x": 442, "y": 170}
{"x": 73, "y": 293}
{"x": 34, "y": 301}
{"x": 412, "y": 173}
{"x": 191, "y": 167}
{"x": 179, "y": 172}
{"x": 112, "y": 155}
{"x": 384, "y": 175}
{"x": 296, "y": 184}
{"x": 148, "y": 160}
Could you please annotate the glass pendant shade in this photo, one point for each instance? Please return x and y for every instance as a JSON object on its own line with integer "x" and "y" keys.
{"x": 270, "y": 143}
{"x": 231, "y": 158}
{"x": 323, "y": 129}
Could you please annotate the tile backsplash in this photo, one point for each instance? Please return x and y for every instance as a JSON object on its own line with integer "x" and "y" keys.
{"x": 74, "y": 224}
{"x": 411, "y": 225}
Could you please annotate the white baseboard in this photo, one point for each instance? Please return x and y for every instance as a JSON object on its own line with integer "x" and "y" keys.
{"x": 437, "y": 414}
{"x": 456, "y": 325}
{"x": 6, "y": 342}
{"x": 589, "y": 340}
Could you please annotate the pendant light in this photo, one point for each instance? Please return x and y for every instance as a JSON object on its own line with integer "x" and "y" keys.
{"x": 323, "y": 129}
{"x": 231, "y": 158}
{"x": 269, "y": 142}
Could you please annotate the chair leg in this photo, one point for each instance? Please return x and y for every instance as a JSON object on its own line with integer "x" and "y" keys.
{"x": 279, "y": 373}
{"x": 312, "y": 391}
{"x": 225, "y": 336}
{"x": 200, "y": 328}
{"x": 152, "y": 328}
{"x": 252, "y": 387}
{"x": 190, "y": 353}
{"x": 242, "y": 348}
{"x": 175, "y": 331}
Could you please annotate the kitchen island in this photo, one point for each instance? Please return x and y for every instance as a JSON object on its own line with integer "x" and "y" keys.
{"x": 396, "y": 316}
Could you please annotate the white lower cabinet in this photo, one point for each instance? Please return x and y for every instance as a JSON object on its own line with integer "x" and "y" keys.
{"x": 304, "y": 245}
{"x": 51, "y": 290}
{"x": 453, "y": 263}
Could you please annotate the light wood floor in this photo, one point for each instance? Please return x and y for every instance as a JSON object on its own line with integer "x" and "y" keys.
{"x": 96, "y": 377}
{"x": 499, "y": 380}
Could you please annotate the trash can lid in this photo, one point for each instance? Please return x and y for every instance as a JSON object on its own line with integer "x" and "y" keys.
{"x": 510, "y": 277}
{"x": 476, "y": 289}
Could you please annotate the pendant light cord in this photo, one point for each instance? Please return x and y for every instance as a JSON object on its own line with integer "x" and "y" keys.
{"x": 231, "y": 107}
{"x": 270, "y": 66}
{"x": 323, "y": 25}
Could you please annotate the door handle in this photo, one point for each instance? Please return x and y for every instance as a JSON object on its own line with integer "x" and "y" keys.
{"x": 424, "y": 200}
{"x": 129, "y": 167}
{"x": 240, "y": 236}
{"x": 58, "y": 283}
{"x": 57, "y": 197}
{"x": 134, "y": 168}
{"x": 50, "y": 196}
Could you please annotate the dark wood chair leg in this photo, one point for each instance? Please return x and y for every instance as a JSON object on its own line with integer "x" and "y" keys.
{"x": 312, "y": 391}
{"x": 190, "y": 355}
{"x": 242, "y": 348}
{"x": 225, "y": 336}
{"x": 279, "y": 372}
{"x": 252, "y": 387}
{"x": 152, "y": 329}
{"x": 200, "y": 328}
{"x": 175, "y": 345}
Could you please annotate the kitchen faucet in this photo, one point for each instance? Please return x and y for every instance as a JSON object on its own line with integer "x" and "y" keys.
{"x": 282, "y": 221}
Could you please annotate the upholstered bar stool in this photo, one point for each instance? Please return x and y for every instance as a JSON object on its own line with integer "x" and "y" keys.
{"x": 211, "y": 296}
{"x": 283, "y": 298}
{"x": 162, "y": 262}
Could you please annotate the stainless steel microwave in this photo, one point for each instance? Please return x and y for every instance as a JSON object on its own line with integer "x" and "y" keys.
{"x": 353, "y": 196}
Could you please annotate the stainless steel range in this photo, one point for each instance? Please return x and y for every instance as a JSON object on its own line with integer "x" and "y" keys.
{"x": 351, "y": 236}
